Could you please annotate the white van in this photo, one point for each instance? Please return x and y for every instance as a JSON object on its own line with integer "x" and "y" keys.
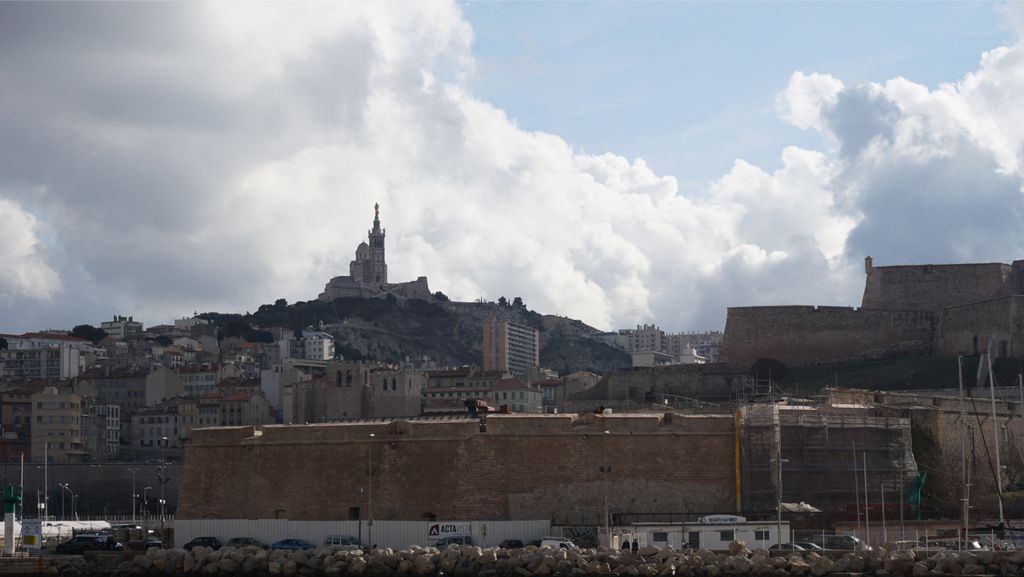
{"x": 336, "y": 540}
{"x": 558, "y": 543}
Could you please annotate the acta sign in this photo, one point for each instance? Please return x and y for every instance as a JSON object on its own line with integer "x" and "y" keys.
{"x": 456, "y": 529}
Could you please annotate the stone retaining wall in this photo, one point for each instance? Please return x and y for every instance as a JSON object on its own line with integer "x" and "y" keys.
{"x": 474, "y": 561}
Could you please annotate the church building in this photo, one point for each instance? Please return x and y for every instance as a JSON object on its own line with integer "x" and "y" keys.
{"x": 368, "y": 273}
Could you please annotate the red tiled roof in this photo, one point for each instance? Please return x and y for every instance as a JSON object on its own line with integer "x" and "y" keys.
{"x": 237, "y": 397}
{"x": 549, "y": 383}
{"x": 53, "y": 336}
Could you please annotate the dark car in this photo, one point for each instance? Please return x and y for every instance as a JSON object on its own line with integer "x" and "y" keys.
{"x": 809, "y": 546}
{"x": 292, "y": 544}
{"x": 511, "y": 544}
{"x": 246, "y": 542}
{"x": 210, "y": 542}
{"x": 786, "y": 547}
{"x": 80, "y": 544}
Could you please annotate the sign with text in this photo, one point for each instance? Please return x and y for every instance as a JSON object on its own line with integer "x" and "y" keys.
{"x": 721, "y": 519}
{"x": 449, "y": 529}
{"x": 31, "y": 533}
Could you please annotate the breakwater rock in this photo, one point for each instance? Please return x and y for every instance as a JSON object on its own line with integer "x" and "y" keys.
{"x": 466, "y": 561}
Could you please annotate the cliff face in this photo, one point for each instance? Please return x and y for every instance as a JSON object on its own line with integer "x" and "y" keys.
{"x": 448, "y": 332}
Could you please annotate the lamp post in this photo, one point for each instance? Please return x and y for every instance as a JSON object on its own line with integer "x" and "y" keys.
{"x": 778, "y": 519}
{"x": 369, "y": 490}
{"x": 145, "y": 505}
{"x": 63, "y": 510}
{"x": 134, "y": 495}
{"x": 606, "y": 469}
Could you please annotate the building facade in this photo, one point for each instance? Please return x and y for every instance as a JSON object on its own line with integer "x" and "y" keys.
{"x": 57, "y": 435}
{"x": 122, "y": 328}
{"x": 510, "y": 347}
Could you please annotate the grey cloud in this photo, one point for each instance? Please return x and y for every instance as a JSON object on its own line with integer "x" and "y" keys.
{"x": 859, "y": 115}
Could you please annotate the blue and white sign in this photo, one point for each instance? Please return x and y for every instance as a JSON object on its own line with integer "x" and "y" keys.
{"x": 721, "y": 519}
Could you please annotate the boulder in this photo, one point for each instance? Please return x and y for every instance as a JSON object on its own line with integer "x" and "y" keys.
{"x": 738, "y": 548}
{"x": 821, "y": 566}
{"x": 739, "y": 563}
{"x": 797, "y": 565}
{"x": 648, "y": 551}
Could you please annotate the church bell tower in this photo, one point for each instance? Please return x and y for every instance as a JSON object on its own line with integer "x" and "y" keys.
{"x": 378, "y": 266}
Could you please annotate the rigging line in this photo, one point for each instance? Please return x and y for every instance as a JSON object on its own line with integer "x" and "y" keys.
{"x": 984, "y": 444}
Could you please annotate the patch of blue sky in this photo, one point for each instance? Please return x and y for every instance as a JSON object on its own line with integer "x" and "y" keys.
{"x": 690, "y": 86}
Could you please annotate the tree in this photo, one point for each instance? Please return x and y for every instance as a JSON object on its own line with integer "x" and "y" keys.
{"x": 440, "y": 296}
{"x": 518, "y": 303}
{"x": 89, "y": 333}
{"x": 502, "y": 302}
{"x": 280, "y": 304}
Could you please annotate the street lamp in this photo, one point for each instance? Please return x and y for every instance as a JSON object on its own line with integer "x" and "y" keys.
{"x": 162, "y": 479}
{"x": 145, "y": 504}
{"x": 369, "y": 490}
{"x": 778, "y": 483}
{"x": 134, "y": 495}
{"x": 606, "y": 469}
{"x": 63, "y": 510}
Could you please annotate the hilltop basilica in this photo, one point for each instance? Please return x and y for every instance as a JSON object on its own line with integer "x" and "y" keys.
{"x": 368, "y": 273}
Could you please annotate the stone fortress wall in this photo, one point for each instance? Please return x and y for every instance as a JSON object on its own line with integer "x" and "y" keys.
{"x": 924, "y": 309}
{"x": 519, "y": 467}
{"x": 934, "y": 287}
{"x": 807, "y": 335}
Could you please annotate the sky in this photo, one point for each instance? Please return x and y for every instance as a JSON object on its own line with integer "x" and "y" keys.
{"x": 615, "y": 162}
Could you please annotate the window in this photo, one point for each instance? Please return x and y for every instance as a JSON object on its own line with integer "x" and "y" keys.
{"x": 659, "y": 537}
{"x": 760, "y": 534}
{"x": 693, "y": 540}
{"x": 727, "y": 535}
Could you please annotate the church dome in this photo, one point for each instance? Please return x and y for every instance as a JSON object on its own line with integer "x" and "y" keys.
{"x": 363, "y": 251}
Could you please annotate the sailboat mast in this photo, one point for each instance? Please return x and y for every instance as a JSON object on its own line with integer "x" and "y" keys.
{"x": 963, "y": 449}
{"x": 995, "y": 441}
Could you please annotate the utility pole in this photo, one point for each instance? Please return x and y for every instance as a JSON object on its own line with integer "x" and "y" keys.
{"x": 369, "y": 490}
{"x": 606, "y": 470}
{"x": 134, "y": 496}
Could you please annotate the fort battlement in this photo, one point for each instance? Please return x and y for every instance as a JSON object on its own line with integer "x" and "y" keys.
{"x": 947, "y": 309}
{"x": 535, "y": 467}
{"x": 806, "y": 335}
{"x": 934, "y": 287}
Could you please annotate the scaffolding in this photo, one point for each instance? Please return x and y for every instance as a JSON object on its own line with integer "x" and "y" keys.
{"x": 822, "y": 451}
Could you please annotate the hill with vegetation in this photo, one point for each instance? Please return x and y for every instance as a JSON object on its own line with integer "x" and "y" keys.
{"x": 392, "y": 329}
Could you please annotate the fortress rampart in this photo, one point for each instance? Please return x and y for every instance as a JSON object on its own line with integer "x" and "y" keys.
{"x": 520, "y": 467}
{"x": 934, "y": 287}
{"x": 923, "y": 309}
{"x": 805, "y": 335}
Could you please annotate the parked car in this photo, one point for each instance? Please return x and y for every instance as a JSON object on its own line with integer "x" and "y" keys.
{"x": 345, "y": 540}
{"x": 511, "y": 544}
{"x": 246, "y": 542}
{"x": 809, "y": 546}
{"x": 292, "y": 544}
{"x": 154, "y": 541}
{"x": 786, "y": 547}
{"x": 211, "y": 542}
{"x": 80, "y": 544}
{"x": 457, "y": 540}
{"x": 844, "y": 542}
{"x": 557, "y": 543}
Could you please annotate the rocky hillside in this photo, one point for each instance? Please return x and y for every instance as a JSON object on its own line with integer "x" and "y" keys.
{"x": 449, "y": 332}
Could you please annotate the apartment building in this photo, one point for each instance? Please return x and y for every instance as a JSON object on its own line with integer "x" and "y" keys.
{"x": 57, "y": 433}
{"x": 511, "y": 347}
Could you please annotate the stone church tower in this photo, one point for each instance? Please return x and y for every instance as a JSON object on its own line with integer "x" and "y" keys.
{"x": 369, "y": 267}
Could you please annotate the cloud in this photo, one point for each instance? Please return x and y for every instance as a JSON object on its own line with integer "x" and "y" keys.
{"x": 22, "y": 257}
{"x": 196, "y": 157}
